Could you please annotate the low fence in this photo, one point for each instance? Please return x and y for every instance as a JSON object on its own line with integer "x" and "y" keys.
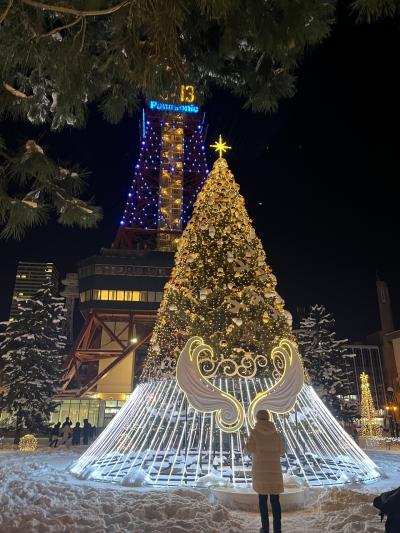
{"x": 385, "y": 443}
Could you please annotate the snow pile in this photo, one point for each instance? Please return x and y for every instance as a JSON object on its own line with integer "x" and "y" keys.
{"x": 213, "y": 479}
{"x": 291, "y": 481}
{"x": 136, "y": 478}
{"x": 343, "y": 511}
{"x": 38, "y": 495}
{"x": 35, "y": 496}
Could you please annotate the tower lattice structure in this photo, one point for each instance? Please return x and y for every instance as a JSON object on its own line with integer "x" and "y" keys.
{"x": 121, "y": 288}
{"x": 168, "y": 175}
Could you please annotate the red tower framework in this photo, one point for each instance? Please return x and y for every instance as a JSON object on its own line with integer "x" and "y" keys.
{"x": 120, "y": 289}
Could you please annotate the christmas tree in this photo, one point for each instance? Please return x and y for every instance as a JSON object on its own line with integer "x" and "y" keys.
{"x": 221, "y": 288}
{"x": 32, "y": 351}
{"x": 221, "y": 350}
{"x": 369, "y": 426}
{"x": 324, "y": 359}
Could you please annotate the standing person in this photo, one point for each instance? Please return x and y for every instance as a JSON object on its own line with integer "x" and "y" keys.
{"x": 354, "y": 432}
{"x": 54, "y": 435}
{"x": 76, "y": 434}
{"x": 266, "y": 446}
{"x": 66, "y": 433}
{"x": 87, "y": 427}
{"x": 67, "y": 422}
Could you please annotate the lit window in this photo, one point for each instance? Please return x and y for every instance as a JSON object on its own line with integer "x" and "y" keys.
{"x": 83, "y": 297}
{"x": 112, "y": 295}
{"x": 135, "y": 296}
{"x": 23, "y": 276}
{"x": 20, "y": 294}
{"x": 103, "y": 294}
{"x": 128, "y": 296}
{"x": 159, "y": 296}
{"x": 143, "y": 296}
{"x": 96, "y": 294}
{"x": 120, "y": 296}
{"x": 151, "y": 296}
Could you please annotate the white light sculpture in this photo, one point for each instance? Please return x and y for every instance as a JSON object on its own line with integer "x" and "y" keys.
{"x": 177, "y": 431}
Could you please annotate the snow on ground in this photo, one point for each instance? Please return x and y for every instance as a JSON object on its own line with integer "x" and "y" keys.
{"x": 38, "y": 495}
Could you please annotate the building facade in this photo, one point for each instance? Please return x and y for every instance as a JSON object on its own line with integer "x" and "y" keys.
{"x": 366, "y": 358}
{"x": 30, "y": 277}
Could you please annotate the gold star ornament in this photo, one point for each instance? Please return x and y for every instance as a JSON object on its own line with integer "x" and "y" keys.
{"x": 220, "y": 146}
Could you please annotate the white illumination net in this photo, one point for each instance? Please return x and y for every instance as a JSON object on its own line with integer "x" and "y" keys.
{"x": 159, "y": 434}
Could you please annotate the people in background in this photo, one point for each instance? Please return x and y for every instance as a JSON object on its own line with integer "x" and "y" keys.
{"x": 76, "y": 434}
{"x": 87, "y": 431}
{"x": 54, "y": 435}
{"x": 354, "y": 432}
{"x": 67, "y": 422}
{"x": 66, "y": 433}
{"x": 266, "y": 446}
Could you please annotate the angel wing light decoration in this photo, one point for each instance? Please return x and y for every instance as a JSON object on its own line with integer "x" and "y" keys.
{"x": 282, "y": 395}
{"x": 203, "y": 395}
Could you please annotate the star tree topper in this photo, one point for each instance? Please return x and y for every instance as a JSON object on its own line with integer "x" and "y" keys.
{"x": 220, "y": 146}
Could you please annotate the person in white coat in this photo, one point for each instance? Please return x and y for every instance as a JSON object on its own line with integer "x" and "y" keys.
{"x": 266, "y": 446}
{"x": 66, "y": 433}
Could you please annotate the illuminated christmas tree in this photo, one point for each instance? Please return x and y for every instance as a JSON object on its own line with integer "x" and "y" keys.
{"x": 369, "y": 426}
{"x": 221, "y": 350}
{"x": 220, "y": 289}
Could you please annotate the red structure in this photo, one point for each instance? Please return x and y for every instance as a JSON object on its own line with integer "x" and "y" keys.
{"x": 121, "y": 288}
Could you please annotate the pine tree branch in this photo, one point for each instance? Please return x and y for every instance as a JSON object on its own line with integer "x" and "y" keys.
{"x": 78, "y": 12}
{"x": 83, "y": 33}
{"x": 5, "y": 12}
{"x": 60, "y": 28}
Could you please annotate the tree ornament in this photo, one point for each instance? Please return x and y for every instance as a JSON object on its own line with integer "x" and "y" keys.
{"x": 265, "y": 317}
{"x": 238, "y": 321}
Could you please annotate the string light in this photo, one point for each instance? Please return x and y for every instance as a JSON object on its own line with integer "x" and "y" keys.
{"x": 28, "y": 443}
{"x": 370, "y": 427}
{"x": 158, "y": 431}
{"x": 186, "y": 156}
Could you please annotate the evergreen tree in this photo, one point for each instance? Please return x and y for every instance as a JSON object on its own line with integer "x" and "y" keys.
{"x": 58, "y": 58}
{"x": 32, "y": 187}
{"x": 220, "y": 289}
{"x": 32, "y": 351}
{"x": 324, "y": 358}
{"x": 371, "y": 10}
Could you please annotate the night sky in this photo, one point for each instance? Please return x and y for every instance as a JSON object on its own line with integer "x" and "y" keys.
{"x": 325, "y": 167}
